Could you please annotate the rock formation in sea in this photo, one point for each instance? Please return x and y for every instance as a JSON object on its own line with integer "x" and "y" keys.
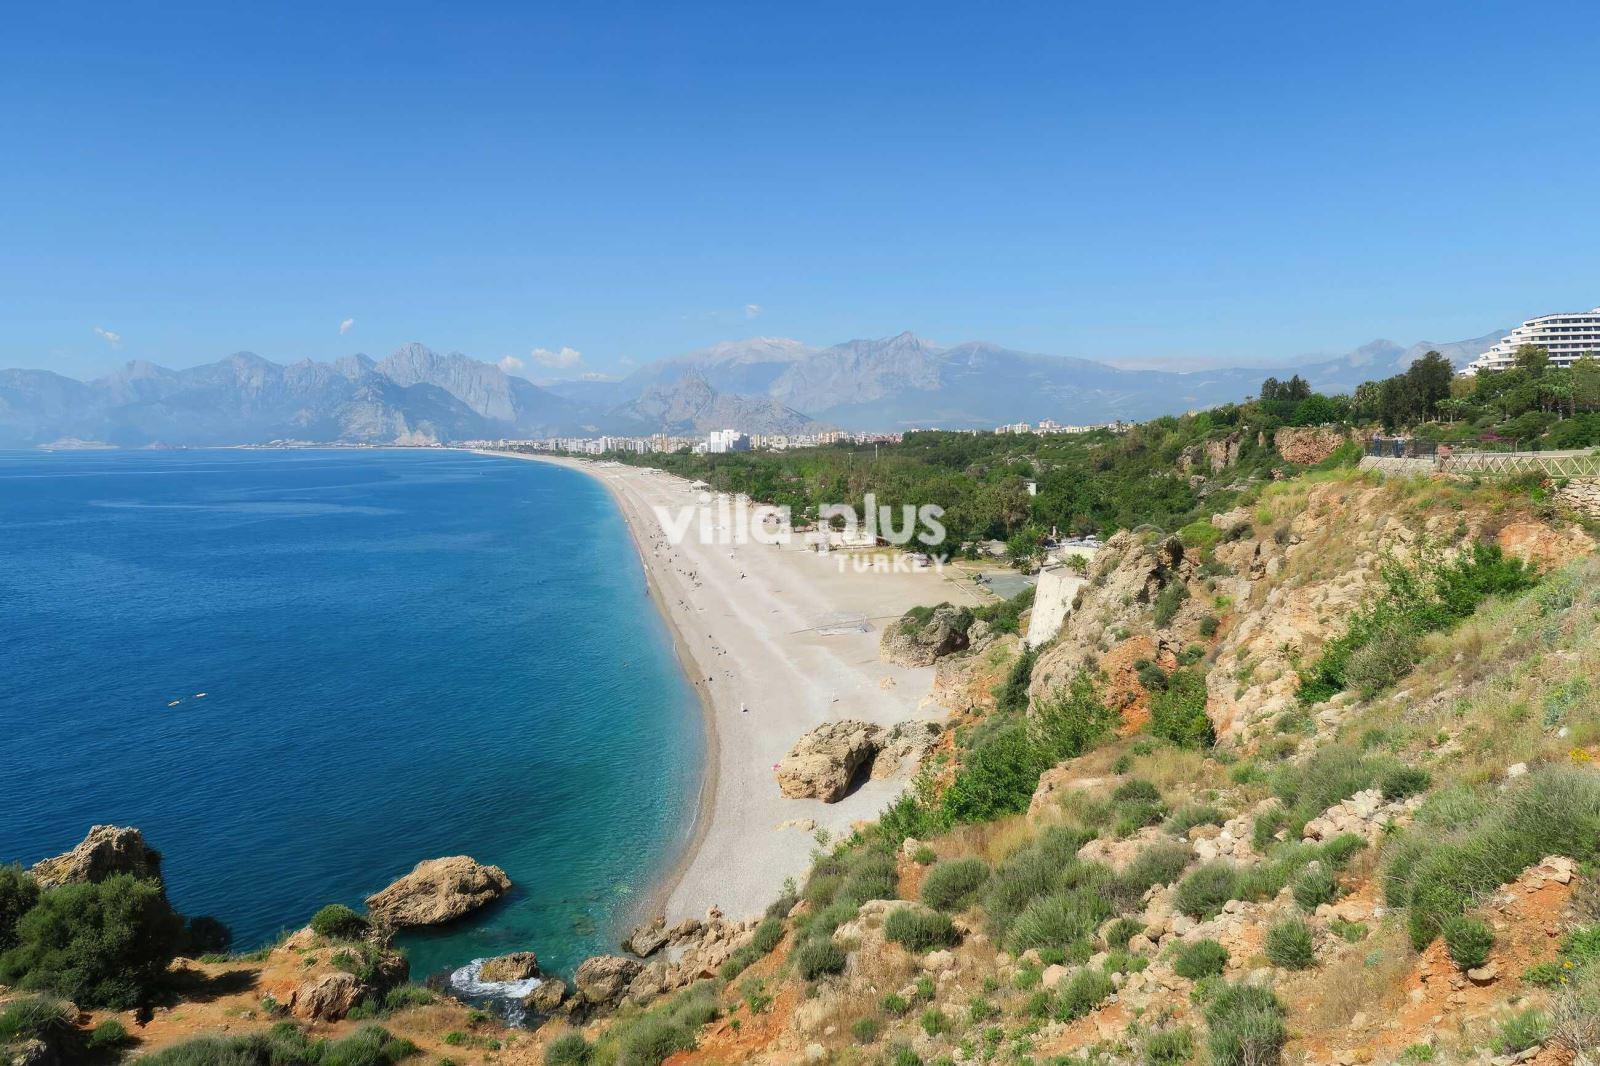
{"x": 517, "y": 966}
{"x": 108, "y": 850}
{"x": 437, "y": 891}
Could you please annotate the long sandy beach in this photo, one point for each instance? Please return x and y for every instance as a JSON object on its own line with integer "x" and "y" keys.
{"x": 772, "y": 637}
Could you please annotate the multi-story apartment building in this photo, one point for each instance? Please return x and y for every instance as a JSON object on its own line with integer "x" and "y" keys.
{"x": 1566, "y": 336}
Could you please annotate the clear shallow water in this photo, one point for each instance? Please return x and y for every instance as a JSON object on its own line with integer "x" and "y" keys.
{"x": 405, "y": 655}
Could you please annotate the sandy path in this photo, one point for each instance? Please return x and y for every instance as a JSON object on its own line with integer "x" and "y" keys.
{"x": 750, "y": 623}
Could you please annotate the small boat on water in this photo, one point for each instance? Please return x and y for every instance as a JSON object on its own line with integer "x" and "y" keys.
{"x": 174, "y": 703}
{"x": 199, "y": 695}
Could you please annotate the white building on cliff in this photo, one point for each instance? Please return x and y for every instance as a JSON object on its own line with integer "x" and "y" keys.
{"x": 1566, "y": 336}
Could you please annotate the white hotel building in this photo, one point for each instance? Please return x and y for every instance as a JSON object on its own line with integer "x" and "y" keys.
{"x": 1565, "y": 336}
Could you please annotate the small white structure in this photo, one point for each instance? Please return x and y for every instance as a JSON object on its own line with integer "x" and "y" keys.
{"x": 1058, "y": 587}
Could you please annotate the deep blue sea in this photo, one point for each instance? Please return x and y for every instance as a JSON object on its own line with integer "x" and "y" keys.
{"x": 404, "y": 655}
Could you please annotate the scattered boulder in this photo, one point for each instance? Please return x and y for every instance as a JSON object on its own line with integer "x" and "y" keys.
{"x": 438, "y": 890}
{"x": 327, "y": 997}
{"x": 648, "y": 937}
{"x": 547, "y": 997}
{"x": 923, "y": 635}
{"x": 822, "y": 763}
{"x": 107, "y": 850}
{"x": 602, "y": 979}
{"x": 517, "y": 966}
{"x": 906, "y": 746}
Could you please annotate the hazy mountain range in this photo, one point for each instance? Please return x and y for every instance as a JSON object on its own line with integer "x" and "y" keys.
{"x": 760, "y": 385}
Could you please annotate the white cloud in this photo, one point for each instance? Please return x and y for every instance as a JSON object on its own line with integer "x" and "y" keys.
{"x": 113, "y": 339}
{"x": 511, "y": 364}
{"x": 557, "y": 360}
{"x": 346, "y": 325}
{"x": 752, "y": 310}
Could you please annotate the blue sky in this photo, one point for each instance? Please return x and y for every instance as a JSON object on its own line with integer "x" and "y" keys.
{"x": 1227, "y": 183}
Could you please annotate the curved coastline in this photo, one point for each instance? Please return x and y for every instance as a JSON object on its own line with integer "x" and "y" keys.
{"x": 761, "y": 641}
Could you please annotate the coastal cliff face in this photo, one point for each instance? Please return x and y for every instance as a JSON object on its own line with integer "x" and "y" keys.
{"x": 1268, "y": 587}
{"x": 1233, "y": 898}
{"x": 1394, "y": 874}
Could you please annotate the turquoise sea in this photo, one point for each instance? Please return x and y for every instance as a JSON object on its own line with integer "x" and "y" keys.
{"x": 403, "y": 655}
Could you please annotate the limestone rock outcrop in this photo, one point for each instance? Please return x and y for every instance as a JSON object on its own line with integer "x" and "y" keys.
{"x": 106, "y": 851}
{"x": 546, "y": 998}
{"x": 517, "y": 966}
{"x": 438, "y": 890}
{"x": 647, "y": 938}
{"x": 1307, "y": 445}
{"x": 822, "y": 763}
{"x": 905, "y": 746}
{"x": 919, "y": 638}
{"x": 602, "y": 979}
{"x": 326, "y": 997}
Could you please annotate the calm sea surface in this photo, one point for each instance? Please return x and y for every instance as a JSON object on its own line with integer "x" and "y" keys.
{"x": 404, "y": 655}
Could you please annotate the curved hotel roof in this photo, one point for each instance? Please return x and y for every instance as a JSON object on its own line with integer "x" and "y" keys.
{"x": 1566, "y": 336}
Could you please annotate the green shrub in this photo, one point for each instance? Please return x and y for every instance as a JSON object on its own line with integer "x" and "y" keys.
{"x": 1169, "y": 1047}
{"x": 653, "y": 1039}
{"x": 1208, "y": 625}
{"x": 952, "y": 886}
{"x": 1202, "y": 893}
{"x": 1178, "y": 711}
{"x": 1404, "y": 781}
{"x": 1081, "y": 995}
{"x": 1032, "y": 871}
{"x": 1190, "y": 815}
{"x": 1289, "y": 944}
{"x": 1135, "y": 789}
{"x": 1202, "y": 958}
{"x": 1011, "y": 697}
{"x": 1462, "y": 850}
{"x": 817, "y": 957}
{"x": 1066, "y": 920}
{"x": 34, "y": 1018}
{"x": 1315, "y": 886}
{"x": 568, "y": 1049}
{"x": 934, "y": 1022}
{"x": 920, "y": 930}
{"x": 767, "y": 936}
{"x": 1245, "y": 1026}
{"x": 109, "y": 1035}
{"x": 338, "y": 922}
{"x": 1123, "y": 930}
{"x": 1167, "y": 602}
{"x": 1386, "y": 657}
{"x": 866, "y": 1030}
{"x": 99, "y": 945}
{"x": 286, "y": 1045}
{"x": 18, "y": 893}
{"x": 1070, "y": 721}
{"x": 895, "y": 1004}
{"x": 1525, "y": 1029}
{"x": 1158, "y": 864}
{"x": 1468, "y": 940}
{"x": 400, "y": 997}
{"x": 1379, "y": 643}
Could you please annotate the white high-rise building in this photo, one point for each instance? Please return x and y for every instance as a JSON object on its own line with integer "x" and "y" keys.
{"x": 1566, "y": 337}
